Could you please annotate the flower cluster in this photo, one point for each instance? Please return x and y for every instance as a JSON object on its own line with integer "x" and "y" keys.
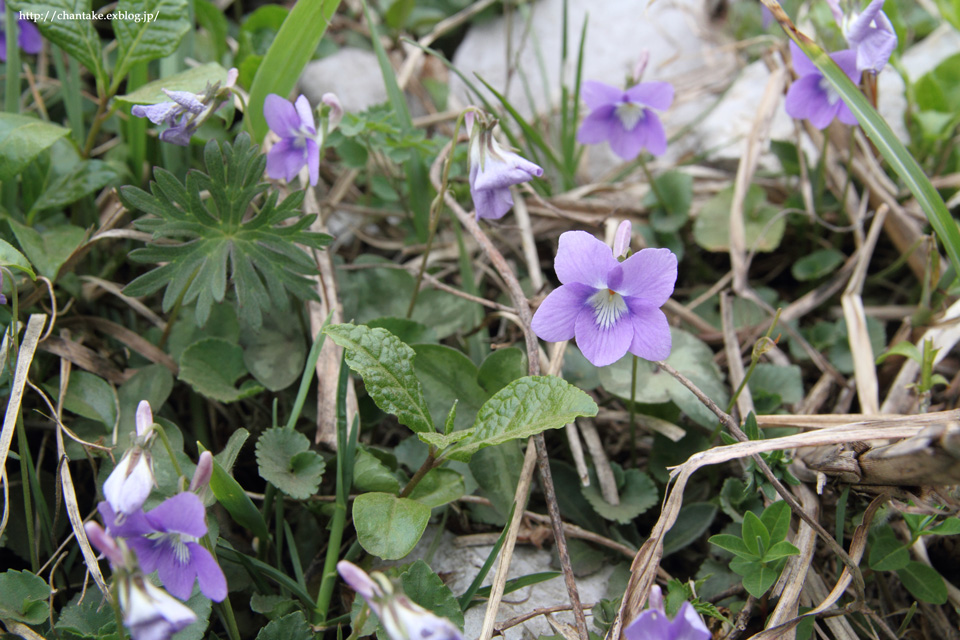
{"x": 185, "y": 111}
{"x": 626, "y": 119}
{"x": 493, "y": 169}
{"x": 300, "y": 140}
{"x": 870, "y": 34}
{"x": 611, "y": 307}
{"x": 164, "y": 539}
{"x": 653, "y": 623}
{"x": 402, "y": 618}
{"x": 28, "y": 36}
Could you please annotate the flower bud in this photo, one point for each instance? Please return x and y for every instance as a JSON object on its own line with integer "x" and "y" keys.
{"x": 621, "y": 240}
{"x": 201, "y": 477}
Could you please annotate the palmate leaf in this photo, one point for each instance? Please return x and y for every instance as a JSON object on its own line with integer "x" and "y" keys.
{"x": 199, "y": 240}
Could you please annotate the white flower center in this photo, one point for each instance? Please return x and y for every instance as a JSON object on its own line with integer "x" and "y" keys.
{"x": 609, "y": 306}
{"x": 630, "y": 114}
{"x": 832, "y": 95}
{"x": 179, "y": 543}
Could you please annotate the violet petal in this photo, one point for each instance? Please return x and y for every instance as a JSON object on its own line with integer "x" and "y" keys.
{"x": 556, "y": 318}
{"x": 651, "y": 331}
{"x": 650, "y": 274}
{"x": 584, "y": 259}
{"x": 603, "y": 346}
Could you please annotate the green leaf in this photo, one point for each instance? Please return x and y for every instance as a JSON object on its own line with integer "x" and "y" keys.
{"x": 275, "y": 353}
{"x": 387, "y": 526}
{"x": 10, "y": 257}
{"x": 733, "y": 544}
{"x": 500, "y": 368}
{"x": 234, "y": 499}
{"x": 201, "y": 606}
{"x": 755, "y": 534}
{"x": 424, "y": 587}
{"x": 637, "y": 494}
{"x": 193, "y": 80}
{"x": 447, "y": 375}
{"x": 776, "y": 520}
{"x": 204, "y": 243}
{"x": 887, "y": 553}
{"x": 212, "y": 366}
{"x": 142, "y": 41}
{"x": 780, "y": 550}
{"x": 387, "y": 368}
{"x": 77, "y": 37}
{"x": 84, "y": 178}
{"x": 272, "y": 606}
{"x": 759, "y": 578}
{"x": 231, "y": 450}
{"x": 676, "y": 188}
{"x": 902, "y": 348}
{"x": 497, "y": 471}
{"x": 763, "y": 226}
{"x": 439, "y": 487}
{"x": 923, "y": 582}
{"x": 370, "y": 474}
{"x": 89, "y": 396}
{"x": 23, "y": 597}
{"x": 152, "y": 383}
{"x": 50, "y": 249}
{"x": 786, "y": 382}
{"x": 523, "y": 408}
{"x": 409, "y": 331}
{"x": 291, "y": 50}
{"x": 86, "y": 618}
{"x": 290, "y": 627}
{"x": 949, "y": 527}
{"x": 889, "y": 147}
{"x": 284, "y": 458}
{"x": 816, "y": 265}
{"x": 692, "y": 522}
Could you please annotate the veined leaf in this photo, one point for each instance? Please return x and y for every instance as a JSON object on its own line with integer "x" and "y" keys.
{"x": 142, "y": 41}
{"x": 386, "y": 365}
{"x": 387, "y": 526}
{"x": 216, "y": 235}
{"x": 22, "y": 139}
{"x": 523, "y": 408}
{"x": 76, "y": 37}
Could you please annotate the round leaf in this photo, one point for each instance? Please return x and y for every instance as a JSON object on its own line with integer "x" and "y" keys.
{"x": 285, "y": 459}
{"x": 637, "y": 494}
{"x": 387, "y": 526}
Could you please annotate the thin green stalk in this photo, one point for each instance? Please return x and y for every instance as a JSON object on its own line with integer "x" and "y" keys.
{"x": 117, "y": 613}
{"x": 225, "y": 608}
{"x": 761, "y": 347}
{"x": 435, "y": 210}
{"x": 69, "y": 77}
{"x": 101, "y": 116}
{"x": 27, "y": 500}
{"x": 653, "y": 185}
{"x": 278, "y": 533}
{"x": 136, "y": 128}
{"x": 42, "y": 510}
{"x": 633, "y": 406}
{"x": 166, "y": 445}
{"x": 269, "y": 495}
{"x": 346, "y": 445}
{"x": 308, "y": 370}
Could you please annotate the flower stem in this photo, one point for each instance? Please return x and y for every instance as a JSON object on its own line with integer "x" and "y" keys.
{"x": 115, "y": 605}
{"x": 653, "y": 185}
{"x": 633, "y": 406}
{"x": 226, "y": 608}
{"x": 166, "y": 445}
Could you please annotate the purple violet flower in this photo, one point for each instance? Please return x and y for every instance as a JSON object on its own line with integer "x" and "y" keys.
{"x": 183, "y": 105}
{"x": 812, "y": 97}
{"x": 150, "y": 612}
{"x": 299, "y": 141}
{"x": 165, "y": 540}
{"x": 401, "y": 618}
{"x": 493, "y": 169}
{"x": 653, "y": 623}
{"x": 611, "y": 307}
{"x": 129, "y": 484}
{"x": 28, "y": 37}
{"x": 626, "y": 119}
{"x": 870, "y": 34}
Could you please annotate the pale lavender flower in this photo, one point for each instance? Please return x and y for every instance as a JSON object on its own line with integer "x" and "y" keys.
{"x": 621, "y": 239}
{"x": 493, "y": 169}
{"x": 176, "y": 114}
{"x": 653, "y": 623}
{"x": 165, "y": 539}
{"x": 812, "y": 97}
{"x": 28, "y": 36}
{"x": 104, "y": 543}
{"x": 401, "y": 618}
{"x": 611, "y": 307}
{"x": 129, "y": 484}
{"x": 870, "y": 34}
{"x": 626, "y": 119}
{"x": 150, "y": 613}
{"x": 299, "y": 141}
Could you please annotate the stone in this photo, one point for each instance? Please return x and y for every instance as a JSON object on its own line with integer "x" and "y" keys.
{"x": 352, "y": 74}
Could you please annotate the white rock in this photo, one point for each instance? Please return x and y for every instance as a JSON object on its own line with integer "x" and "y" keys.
{"x": 353, "y": 74}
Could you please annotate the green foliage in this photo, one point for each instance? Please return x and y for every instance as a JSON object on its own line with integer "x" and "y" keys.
{"x": 761, "y": 550}
{"x": 194, "y": 80}
{"x": 290, "y": 627}
{"x": 49, "y": 250}
{"x": 425, "y": 587}
{"x": 86, "y": 618}
{"x": 763, "y": 225}
{"x": 672, "y": 212}
{"x": 142, "y": 41}
{"x": 22, "y": 139}
{"x": 209, "y": 234}
{"x": 284, "y": 459}
{"x": 386, "y": 365}
{"x": 212, "y": 367}
{"x": 387, "y": 526}
{"x": 692, "y": 522}
{"x": 23, "y": 597}
{"x": 636, "y": 490}
{"x": 816, "y": 265}
{"x": 231, "y": 495}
